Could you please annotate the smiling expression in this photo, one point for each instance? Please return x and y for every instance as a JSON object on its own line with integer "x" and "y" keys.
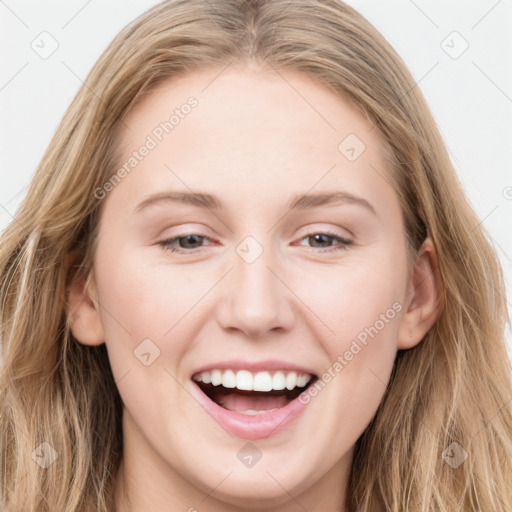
{"x": 236, "y": 264}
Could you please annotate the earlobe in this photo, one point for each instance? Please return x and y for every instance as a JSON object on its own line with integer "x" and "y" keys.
{"x": 424, "y": 300}
{"x": 83, "y": 311}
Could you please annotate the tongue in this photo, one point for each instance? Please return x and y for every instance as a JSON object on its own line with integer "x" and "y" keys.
{"x": 239, "y": 402}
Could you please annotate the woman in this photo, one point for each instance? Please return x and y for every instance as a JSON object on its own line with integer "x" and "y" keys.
{"x": 174, "y": 338}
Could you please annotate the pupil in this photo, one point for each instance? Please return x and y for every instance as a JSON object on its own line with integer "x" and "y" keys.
{"x": 319, "y": 236}
{"x": 190, "y": 239}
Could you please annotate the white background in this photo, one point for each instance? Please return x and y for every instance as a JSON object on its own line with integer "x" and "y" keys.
{"x": 470, "y": 96}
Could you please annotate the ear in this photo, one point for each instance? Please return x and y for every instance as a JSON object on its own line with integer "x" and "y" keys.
{"x": 83, "y": 311}
{"x": 424, "y": 300}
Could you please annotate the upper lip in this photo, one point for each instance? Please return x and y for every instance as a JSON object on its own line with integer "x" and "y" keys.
{"x": 254, "y": 366}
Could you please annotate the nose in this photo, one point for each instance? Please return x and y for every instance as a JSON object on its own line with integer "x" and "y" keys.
{"x": 257, "y": 298}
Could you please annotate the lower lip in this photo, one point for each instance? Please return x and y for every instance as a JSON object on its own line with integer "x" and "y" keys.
{"x": 252, "y": 428}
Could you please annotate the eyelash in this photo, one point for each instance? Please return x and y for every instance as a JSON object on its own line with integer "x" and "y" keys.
{"x": 168, "y": 244}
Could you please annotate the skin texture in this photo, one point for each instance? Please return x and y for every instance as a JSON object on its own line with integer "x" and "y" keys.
{"x": 254, "y": 142}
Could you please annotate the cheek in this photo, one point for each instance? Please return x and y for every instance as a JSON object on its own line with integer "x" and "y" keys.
{"x": 352, "y": 297}
{"x": 141, "y": 302}
{"x": 362, "y": 307}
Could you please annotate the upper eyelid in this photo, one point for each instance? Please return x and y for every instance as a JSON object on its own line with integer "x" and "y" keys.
{"x": 309, "y": 233}
{"x": 325, "y": 230}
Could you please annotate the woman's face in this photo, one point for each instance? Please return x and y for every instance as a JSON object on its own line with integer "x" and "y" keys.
{"x": 257, "y": 241}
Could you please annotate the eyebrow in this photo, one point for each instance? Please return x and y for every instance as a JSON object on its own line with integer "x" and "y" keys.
{"x": 297, "y": 202}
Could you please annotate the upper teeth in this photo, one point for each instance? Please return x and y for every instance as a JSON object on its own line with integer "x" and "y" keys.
{"x": 260, "y": 381}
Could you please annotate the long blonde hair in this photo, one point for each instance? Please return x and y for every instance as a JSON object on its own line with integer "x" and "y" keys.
{"x": 450, "y": 395}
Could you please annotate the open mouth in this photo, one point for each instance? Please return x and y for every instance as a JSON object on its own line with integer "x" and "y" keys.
{"x": 252, "y": 394}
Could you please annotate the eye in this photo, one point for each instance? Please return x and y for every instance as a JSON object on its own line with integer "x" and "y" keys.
{"x": 326, "y": 238}
{"x": 192, "y": 242}
{"x": 183, "y": 244}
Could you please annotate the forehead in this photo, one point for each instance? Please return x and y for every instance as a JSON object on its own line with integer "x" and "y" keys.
{"x": 251, "y": 129}
{"x": 242, "y": 99}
